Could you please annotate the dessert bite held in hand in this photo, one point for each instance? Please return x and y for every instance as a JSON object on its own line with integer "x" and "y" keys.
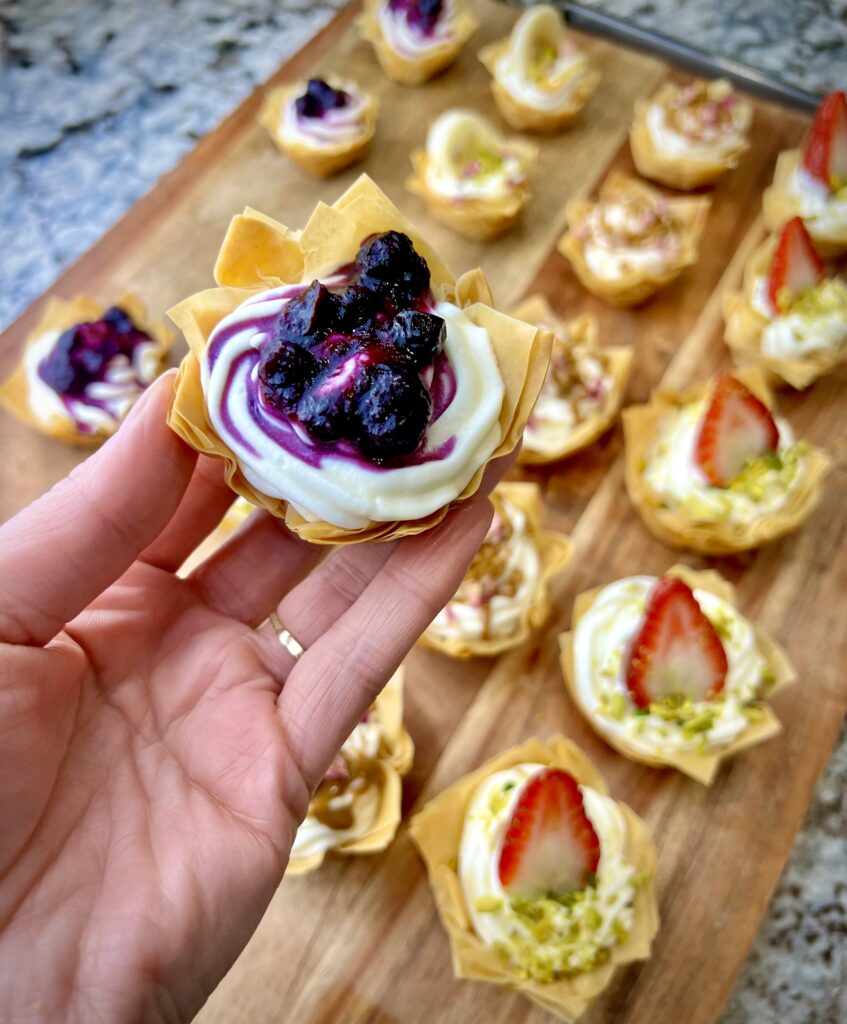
{"x": 471, "y": 178}
{"x": 540, "y": 79}
{"x": 352, "y": 385}
{"x": 669, "y": 673}
{"x": 714, "y": 470}
{"x": 543, "y": 882}
{"x": 505, "y": 593}
{"x": 84, "y": 366}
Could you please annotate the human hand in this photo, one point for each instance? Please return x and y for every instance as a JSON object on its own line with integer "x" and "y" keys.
{"x": 157, "y": 752}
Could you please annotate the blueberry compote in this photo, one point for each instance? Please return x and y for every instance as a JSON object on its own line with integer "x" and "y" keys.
{"x": 320, "y": 97}
{"x": 82, "y": 355}
{"x": 422, "y": 15}
{"x": 350, "y": 364}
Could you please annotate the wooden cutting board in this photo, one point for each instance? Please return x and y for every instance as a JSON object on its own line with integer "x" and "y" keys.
{"x": 359, "y": 940}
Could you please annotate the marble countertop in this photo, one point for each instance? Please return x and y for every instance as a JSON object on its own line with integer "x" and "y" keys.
{"x": 98, "y": 99}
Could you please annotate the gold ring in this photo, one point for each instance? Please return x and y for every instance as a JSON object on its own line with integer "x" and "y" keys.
{"x": 289, "y": 642}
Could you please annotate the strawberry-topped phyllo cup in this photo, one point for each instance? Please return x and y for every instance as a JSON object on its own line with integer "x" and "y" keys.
{"x": 714, "y": 470}
{"x": 84, "y": 366}
{"x": 669, "y": 672}
{"x": 812, "y": 182}
{"x": 357, "y": 806}
{"x": 790, "y": 318}
{"x": 544, "y": 883}
{"x": 414, "y": 40}
{"x": 505, "y": 595}
{"x": 352, "y": 385}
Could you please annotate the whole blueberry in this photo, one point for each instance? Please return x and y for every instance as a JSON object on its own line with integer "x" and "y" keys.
{"x": 318, "y": 98}
{"x": 356, "y": 308}
{"x": 424, "y": 14}
{"x": 328, "y": 408}
{"x": 119, "y": 319}
{"x": 308, "y": 316}
{"x": 394, "y": 412}
{"x": 389, "y": 265}
{"x": 285, "y": 372}
{"x": 57, "y": 370}
{"x": 419, "y": 336}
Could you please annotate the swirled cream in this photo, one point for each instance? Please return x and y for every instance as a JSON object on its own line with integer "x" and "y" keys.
{"x": 544, "y": 938}
{"x": 331, "y": 481}
{"x": 500, "y": 585}
{"x": 824, "y": 211}
{"x": 672, "y": 472}
{"x": 628, "y": 234}
{"x": 412, "y": 37}
{"x": 816, "y": 319}
{"x": 331, "y": 127}
{"x": 700, "y": 123}
{"x": 601, "y": 643}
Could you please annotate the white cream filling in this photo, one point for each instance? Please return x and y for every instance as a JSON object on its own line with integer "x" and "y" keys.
{"x": 601, "y": 645}
{"x": 554, "y": 417}
{"x": 825, "y": 214}
{"x": 673, "y": 145}
{"x": 792, "y": 335}
{"x": 515, "y": 79}
{"x": 606, "y": 910}
{"x": 409, "y": 43}
{"x": 489, "y": 185}
{"x": 350, "y": 493}
{"x": 334, "y": 128}
{"x": 610, "y": 260}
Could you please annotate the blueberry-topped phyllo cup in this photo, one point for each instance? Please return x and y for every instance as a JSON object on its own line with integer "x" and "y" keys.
{"x": 84, "y": 366}
{"x": 353, "y": 386}
{"x": 414, "y": 40}
{"x": 323, "y": 126}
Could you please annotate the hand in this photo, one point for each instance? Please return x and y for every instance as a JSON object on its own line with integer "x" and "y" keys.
{"x": 157, "y": 752}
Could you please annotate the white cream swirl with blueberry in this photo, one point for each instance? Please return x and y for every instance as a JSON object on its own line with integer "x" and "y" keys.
{"x": 412, "y": 35}
{"x": 816, "y": 320}
{"x": 330, "y": 126}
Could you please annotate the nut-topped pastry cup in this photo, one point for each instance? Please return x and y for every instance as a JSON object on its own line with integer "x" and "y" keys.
{"x": 528, "y": 100}
{"x": 23, "y": 390}
{"x": 699, "y": 764}
{"x": 422, "y": 59}
{"x": 679, "y": 528}
{"x": 261, "y": 257}
{"x": 687, "y": 166}
{"x": 579, "y": 334}
{"x": 324, "y": 156}
{"x": 632, "y": 284}
{"x": 437, "y": 832}
{"x": 551, "y": 551}
{"x": 373, "y": 812}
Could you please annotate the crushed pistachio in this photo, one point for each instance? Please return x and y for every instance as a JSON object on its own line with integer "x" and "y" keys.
{"x": 722, "y": 621}
{"x": 774, "y": 469}
{"x": 768, "y": 679}
{"x": 487, "y": 904}
{"x": 825, "y": 299}
{"x": 690, "y": 715}
{"x": 543, "y": 59}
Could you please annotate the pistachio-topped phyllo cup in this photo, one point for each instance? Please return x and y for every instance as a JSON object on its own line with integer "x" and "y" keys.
{"x": 633, "y": 240}
{"x": 541, "y": 80}
{"x": 583, "y": 390}
{"x": 713, "y": 469}
{"x": 352, "y": 385}
{"x": 543, "y": 882}
{"x": 414, "y": 40}
{"x": 504, "y": 596}
{"x": 670, "y": 673}
{"x": 84, "y": 366}
{"x": 790, "y": 318}
{"x": 357, "y": 807}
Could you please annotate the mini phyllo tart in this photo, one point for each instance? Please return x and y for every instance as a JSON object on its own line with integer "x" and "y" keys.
{"x": 504, "y": 595}
{"x": 812, "y": 182}
{"x": 540, "y": 79}
{"x": 791, "y": 316}
{"x": 357, "y": 807}
{"x": 633, "y": 240}
{"x": 669, "y": 673}
{"x": 84, "y": 367}
{"x": 544, "y": 883}
{"x": 689, "y": 135}
{"x": 351, "y": 383}
{"x": 712, "y": 468}
{"x": 414, "y": 40}
{"x": 470, "y": 177}
{"x": 583, "y": 390}
{"x": 322, "y": 127}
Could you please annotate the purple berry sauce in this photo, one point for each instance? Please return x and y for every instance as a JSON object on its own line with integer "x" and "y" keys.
{"x": 421, "y": 15}
{"x": 319, "y": 98}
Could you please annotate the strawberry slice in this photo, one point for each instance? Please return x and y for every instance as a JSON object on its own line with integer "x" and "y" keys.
{"x": 550, "y": 844}
{"x": 737, "y": 427}
{"x": 825, "y": 156}
{"x": 796, "y": 265}
{"x": 676, "y": 652}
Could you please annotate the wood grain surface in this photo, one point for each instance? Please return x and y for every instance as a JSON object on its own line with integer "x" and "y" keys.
{"x": 360, "y": 940}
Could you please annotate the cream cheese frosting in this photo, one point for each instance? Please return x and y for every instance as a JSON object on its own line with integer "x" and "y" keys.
{"x": 817, "y": 320}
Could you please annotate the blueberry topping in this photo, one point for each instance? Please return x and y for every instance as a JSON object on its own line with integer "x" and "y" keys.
{"x": 389, "y": 265}
{"x": 394, "y": 412}
{"x": 119, "y": 319}
{"x": 357, "y": 308}
{"x": 307, "y": 317}
{"x": 328, "y": 409}
{"x": 286, "y": 370}
{"x": 419, "y": 336}
{"x": 422, "y": 15}
{"x": 320, "y": 97}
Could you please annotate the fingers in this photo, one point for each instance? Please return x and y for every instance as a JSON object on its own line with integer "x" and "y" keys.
{"x": 66, "y": 548}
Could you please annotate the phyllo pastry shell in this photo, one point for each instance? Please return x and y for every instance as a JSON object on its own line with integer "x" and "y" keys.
{"x": 470, "y": 177}
{"x": 633, "y": 240}
{"x": 504, "y": 596}
{"x": 84, "y": 366}
{"x": 583, "y": 390}
{"x": 413, "y": 45}
{"x": 323, "y": 126}
{"x": 313, "y": 393}
{"x": 540, "y": 79}
{"x": 357, "y": 807}
{"x": 560, "y": 953}
{"x": 693, "y": 736}
{"x": 689, "y": 135}
{"x": 768, "y": 498}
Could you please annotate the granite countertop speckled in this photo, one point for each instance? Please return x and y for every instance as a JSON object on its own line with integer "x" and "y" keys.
{"x": 78, "y": 82}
